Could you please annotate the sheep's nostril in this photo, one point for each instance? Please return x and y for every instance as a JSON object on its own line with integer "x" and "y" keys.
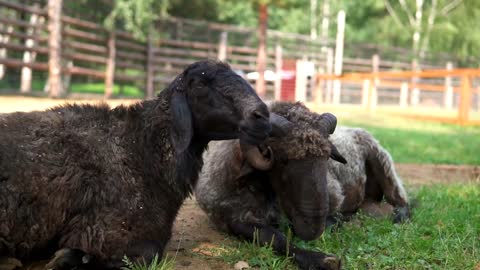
{"x": 258, "y": 115}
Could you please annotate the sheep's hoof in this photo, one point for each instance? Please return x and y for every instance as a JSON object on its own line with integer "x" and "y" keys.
{"x": 9, "y": 263}
{"x": 332, "y": 263}
{"x": 66, "y": 259}
{"x": 311, "y": 260}
{"x": 401, "y": 214}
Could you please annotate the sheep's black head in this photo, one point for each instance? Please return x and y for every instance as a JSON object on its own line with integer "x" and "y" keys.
{"x": 298, "y": 174}
{"x": 211, "y": 101}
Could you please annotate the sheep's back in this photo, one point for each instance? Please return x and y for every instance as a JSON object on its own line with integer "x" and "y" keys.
{"x": 353, "y": 144}
{"x": 51, "y": 164}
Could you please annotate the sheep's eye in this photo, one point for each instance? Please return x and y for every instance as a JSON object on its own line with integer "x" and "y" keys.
{"x": 201, "y": 91}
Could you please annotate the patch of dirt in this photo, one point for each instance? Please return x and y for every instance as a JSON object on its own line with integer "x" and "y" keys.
{"x": 193, "y": 239}
{"x": 426, "y": 174}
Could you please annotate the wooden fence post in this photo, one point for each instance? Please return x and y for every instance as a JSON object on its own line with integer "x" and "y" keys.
{"x": 448, "y": 95}
{"x": 319, "y": 86}
{"x": 55, "y": 48}
{"x": 150, "y": 72}
{"x": 328, "y": 94}
{"x": 415, "y": 97}
{"x": 478, "y": 98}
{"x": 260, "y": 84}
{"x": 4, "y": 38}
{"x": 222, "y": 46}
{"x": 404, "y": 95}
{"x": 110, "y": 69}
{"x": 373, "y": 88}
{"x": 365, "y": 93}
{"x": 465, "y": 100}
{"x": 29, "y": 56}
{"x": 301, "y": 81}
{"x": 337, "y": 85}
{"x": 278, "y": 71}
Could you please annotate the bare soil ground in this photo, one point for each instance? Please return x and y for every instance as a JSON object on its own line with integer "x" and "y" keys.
{"x": 194, "y": 235}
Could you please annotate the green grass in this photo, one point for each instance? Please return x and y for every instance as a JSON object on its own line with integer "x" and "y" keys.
{"x": 156, "y": 264}
{"x": 444, "y": 234}
{"x": 431, "y": 143}
{"x": 414, "y": 141}
{"x": 84, "y": 88}
{"x": 99, "y": 88}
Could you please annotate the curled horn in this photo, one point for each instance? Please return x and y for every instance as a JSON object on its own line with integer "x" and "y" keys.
{"x": 280, "y": 125}
{"x": 328, "y": 122}
{"x": 261, "y": 160}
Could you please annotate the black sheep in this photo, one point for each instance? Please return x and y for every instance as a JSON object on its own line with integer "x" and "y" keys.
{"x": 97, "y": 183}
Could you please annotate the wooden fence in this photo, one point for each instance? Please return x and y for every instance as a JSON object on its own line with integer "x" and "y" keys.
{"x": 90, "y": 52}
{"x": 458, "y": 88}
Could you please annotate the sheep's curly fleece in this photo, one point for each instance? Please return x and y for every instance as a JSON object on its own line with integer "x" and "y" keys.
{"x": 226, "y": 199}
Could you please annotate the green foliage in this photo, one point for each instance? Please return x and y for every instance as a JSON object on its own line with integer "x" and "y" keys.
{"x": 201, "y": 10}
{"x": 420, "y": 142}
{"x": 155, "y": 264}
{"x": 137, "y": 16}
{"x": 443, "y": 234}
{"x": 369, "y": 21}
{"x": 454, "y": 31}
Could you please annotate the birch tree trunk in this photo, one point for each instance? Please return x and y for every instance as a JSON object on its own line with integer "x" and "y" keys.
{"x": 29, "y": 56}
{"x": 55, "y": 85}
{"x": 415, "y": 98}
{"x": 431, "y": 22}
{"x": 325, "y": 19}
{"x": 313, "y": 19}
{"x": 417, "y": 28}
{"x": 3, "y": 51}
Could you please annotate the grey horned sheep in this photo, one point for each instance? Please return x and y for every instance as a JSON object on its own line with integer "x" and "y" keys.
{"x": 369, "y": 175}
{"x": 239, "y": 197}
{"x": 97, "y": 183}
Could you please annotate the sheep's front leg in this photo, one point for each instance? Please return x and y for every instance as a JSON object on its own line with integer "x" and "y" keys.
{"x": 267, "y": 235}
{"x": 383, "y": 180}
{"x": 70, "y": 258}
{"x": 7, "y": 263}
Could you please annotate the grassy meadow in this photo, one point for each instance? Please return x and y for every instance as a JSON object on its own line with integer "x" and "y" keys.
{"x": 444, "y": 233}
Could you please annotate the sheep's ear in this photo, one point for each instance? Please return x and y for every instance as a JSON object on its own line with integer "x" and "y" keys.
{"x": 335, "y": 155}
{"x": 182, "y": 128}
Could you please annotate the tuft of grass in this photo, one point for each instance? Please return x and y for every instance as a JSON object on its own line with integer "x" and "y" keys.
{"x": 155, "y": 264}
{"x": 444, "y": 233}
{"x": 257, "y": 256}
